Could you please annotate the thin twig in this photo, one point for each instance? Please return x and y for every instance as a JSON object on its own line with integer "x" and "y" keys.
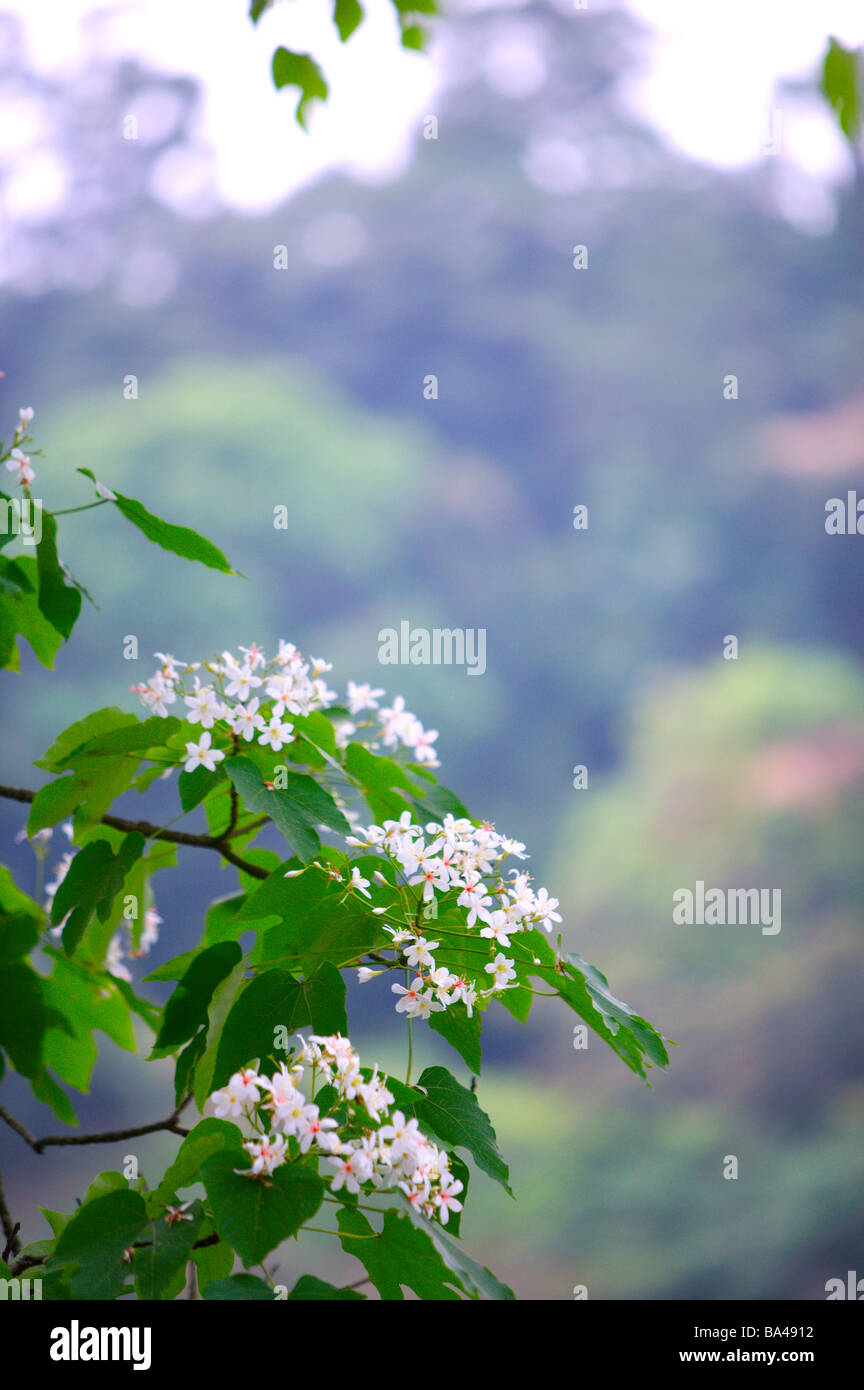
{"x": 10, "y": 1228}
{"x": 155, "y": 832}
{"x": 108, "y": 1137}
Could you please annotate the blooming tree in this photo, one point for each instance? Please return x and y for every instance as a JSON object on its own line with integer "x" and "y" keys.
{"x": 385, "y": 875}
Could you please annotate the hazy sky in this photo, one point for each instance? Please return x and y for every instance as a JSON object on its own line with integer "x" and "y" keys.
{"x": 710, "y": 84}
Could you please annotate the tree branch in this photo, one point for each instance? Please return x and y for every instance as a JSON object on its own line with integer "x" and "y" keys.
{"x": 155, "y": 832}
{"x": 110, "y": 1136}
{"x": 11, "y": 1228}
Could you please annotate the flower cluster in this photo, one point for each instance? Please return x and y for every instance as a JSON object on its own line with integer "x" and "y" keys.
{"x": 455, "y": 856}
{"x": 17, "y": 461}
{"x": 369, "y": 1148}
{"x": 251, "y": 696}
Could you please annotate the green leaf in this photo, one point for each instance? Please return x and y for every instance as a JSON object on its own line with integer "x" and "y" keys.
{"x": 186, "y": 1009}
{"x": 220, "y": 1006}
{"x": 309, "y": 1288}
{"x": 438, "y": 801}
{"x": 315, "y": 924}
{"x": 45, "y": 1088}
{"x": 18, "y": 936}
{"x": 403, "y": 1254}
{"x": 187, "y": 1065}
{"x": 94, "y": 878}
{"x": 299, "y": 70}
{"x": 180, "y": 540}
{"x": 453, "y": 1113}
{"x": 133, "y": 737}
{"x": 295, "y": 811}
{"x": 243, "y": 1288}
{"x": 461, "y": 1032}
{"x": 347, "y": 14}
{"x": 54, "y": 802}
{"x": 476, "y": 1279}
{"x": 255, "y": 1215}
{"x": 23, "y": 1016}
{"x": 208, "y": 1137}
{"x": 213, "y": 1262}
{"x": 95, "y": 1240}
{"x": 841, "y": 85}
{"x": 587, "y": 992}
{"x": 221, "y": 922}
{"x": 84, "y": 1005}
{"x": 277, "y": 1000}
{"x": 193, "y": 787}
{"x": 20, "y": 615}
{"x": 60, "y": 755}
{"x": 413, "y": 37}
{"x": 257, "y": 8}
{"x": 59, "y": 602}
{"x": 164, "y": 1256}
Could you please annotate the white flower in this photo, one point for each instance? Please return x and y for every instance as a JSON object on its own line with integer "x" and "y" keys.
{"x": 245, "y": 719}
{"x": 360, "y": 883}
{"x": 25, "y": 415}
{"x": 240, "y": 1095}
{"x": 501, "y": 970}
{"x": 421, "y": 741}
{"x": 347, "y": 1174}
{"x": 497, "y": 928}
{"x": 266, "y": 1155}
{"x": 156, "y": 694}
{"x": 204, "y": 706}
{"x": 362, "y": 697}
{"x": 200, "y": 754}
{"x": 419, "y": 953}
{"x": 241, "y": 681}
{"x": 276, "y": 734}
{"x": 364, "y": 974}
{"x": 544, "y": 908}
{"x": 445, "y": 1198}
{"x": 254, "y": 656}
{"x": 19, "y": 463}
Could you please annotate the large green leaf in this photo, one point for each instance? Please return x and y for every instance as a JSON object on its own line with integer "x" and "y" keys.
{"x": 291, "y": 817}
{"x": 841, "y": 85}
{"x": 252, "y": 1215}
{"x": 162, "y": 1259}
{"x": 186, "y": 1009}
{"x": 95, "y": 876}
{"x": 208, "y": 1137}
{"x": 309, "y": 1288}
{"x": 313, "y": 922}
{"x": 240, "y": 1288}
{"x": 20, "y": 614}
{"x": 95, "y": 1239}
{"x": 476, "y": 1279}
{"x": 81, "y": 733}
{"x": 587, "y": 992}
{"x": 452, "y": 1112}
{"x": 347, "y": 15}
{"x": 461, "y": 1032}
{"x": 199, "y": 1071}
{"x": 402, "y": 1255}
{"x": 277, "y": 1000}
{"x": 23, "y": 1016}
{"x": 180, "y": 540}
{"x": 84, "y": 1004}
{"x": 59, "y": 602}
{"x": 299, "y": 70}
